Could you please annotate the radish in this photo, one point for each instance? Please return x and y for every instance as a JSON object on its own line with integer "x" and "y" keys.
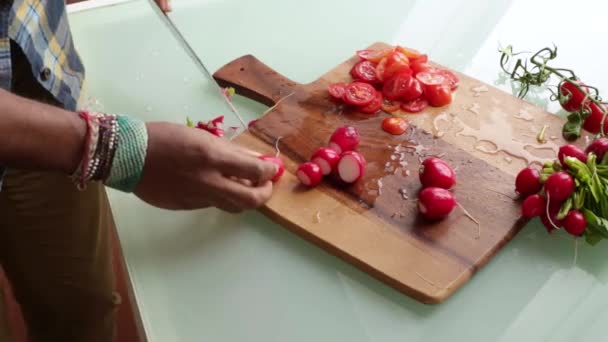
{"x": 599, "y": 147}
{"x": 533, "y": 205}
{"x": 309, "y": 174}
{"x": 327, "y": 159}
{"x": 351, "y": 166}
{"x": 528, "y": 181}
{"x": 435, "y": 172}
{"x": 559, "y": 186}
{"x": 554, "y": 208}
{"x": 571, "y": 151}
{"x": 575, "y": 223}
{"x": 345, "y": 138}
{"x": 278, "y": 162}
{"x": 435, "y": 203}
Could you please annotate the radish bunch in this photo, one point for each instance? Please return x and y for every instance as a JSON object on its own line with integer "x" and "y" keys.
{"x": 569, "y": 192}
{"x": 339, "y": 157}
{"x": 435, "y": 201}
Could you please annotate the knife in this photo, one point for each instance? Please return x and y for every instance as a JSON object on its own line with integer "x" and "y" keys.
{"x": 199, "y": 63}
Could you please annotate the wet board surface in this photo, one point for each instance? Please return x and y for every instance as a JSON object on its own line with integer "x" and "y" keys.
{"x": 487, "y": 135}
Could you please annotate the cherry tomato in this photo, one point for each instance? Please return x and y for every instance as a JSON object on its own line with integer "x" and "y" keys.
{"x": 390, "y": 106}
{"x": 413, "y": 55}
{"x": 394, "y": 125}
{"x": 593, "y": 122}
{"x": 438, "y": 95}
{"x": 451, "y": 78}
{"x": 374, "y": 106}
{"x": 336, "y": 90}
{"x": 359, "y": 94}
{"x": 415, "y": 106}
{"x": 575, "y": 102}
{"x": 393, "y": 63}
{"x": 365, "y": 71}
{"x": 373, "y": 55}
{"x": 417, "y": 67}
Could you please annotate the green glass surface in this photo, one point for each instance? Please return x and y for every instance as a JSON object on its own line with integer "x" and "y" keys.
{"x": 210, "y": 276}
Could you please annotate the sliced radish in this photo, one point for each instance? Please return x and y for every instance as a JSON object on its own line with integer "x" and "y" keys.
{"x": 345, "y": 138}
{"x": 309, "y": 174}
{"x": 327, "y": 159}
{"x": 278, "y": 162}
{"x": 435, "y": 203}
{"x": 351, "y": 166}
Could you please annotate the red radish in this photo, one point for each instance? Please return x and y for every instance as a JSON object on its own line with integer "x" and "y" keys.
{"x": 533, "y": 205}
{"x": 345, "y": 138}
{"x": 559, "y": 186}
{"x": 575, "y": 223}
{"x": 435, "y": 172}
{"x": 435, "y": 203}
{"x": 251, "y": 123}
{"x": 554, "y": 208}
{"x": 309, "y": 174}
{"x": 528, "y": 181}
{"x": 351, "y": 166}
{"x": 215, "y": 126}
{"x": 278, "y": 162}
{"x": 599, "y": 147}
{"x": 571, "y": 151}
{"x": 326, "y": 158}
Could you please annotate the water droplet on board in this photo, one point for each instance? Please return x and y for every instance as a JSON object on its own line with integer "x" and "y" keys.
{"x": 478, "y": 90}
{"x": 474, "y": 108}
{"x": 524, "y": 115}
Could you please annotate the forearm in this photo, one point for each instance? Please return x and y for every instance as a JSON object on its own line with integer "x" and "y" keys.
{"x": 37, "y": 136}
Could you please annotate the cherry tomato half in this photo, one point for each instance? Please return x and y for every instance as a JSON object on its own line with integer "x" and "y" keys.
{"x": 431, "y": 78}
{"x": 451, "y": 77}
{"x": 393, "y": 63}
{"x": 417, "y": 67}
{"x": 373, "y": 55}
{"x": 365, "y": 71}
{"x": 402, "y": 86}
{"x": 394, "y": 125}
{"x": 374, "y": 106}
{"x": 391, "y": 106}
{"x": 438, "y": 95}
{"x": 336, "y": 90}
{"x": 415, "y": 106}
{"x": 359, "y": 94}
{"x": 413, "y": 55}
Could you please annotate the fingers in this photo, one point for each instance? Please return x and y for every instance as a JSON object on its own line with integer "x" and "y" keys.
{"x": 246, "y": 166}
{"x": 238, "y": 194}
{"x": 164, "y": 5}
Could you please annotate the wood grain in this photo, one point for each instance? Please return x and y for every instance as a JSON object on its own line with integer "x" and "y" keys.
{"x": 370, "y": 224}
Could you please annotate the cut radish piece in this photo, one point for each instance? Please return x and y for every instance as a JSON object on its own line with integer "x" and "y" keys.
{"x": 309, "y": 174}
{"x": 326, "y": 158}
{"x": 345, "y": 138}
{"x": 280, "y": 167}
{"x": 351, "y": 166}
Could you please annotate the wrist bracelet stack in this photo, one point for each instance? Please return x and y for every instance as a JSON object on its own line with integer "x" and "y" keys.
{"x": 115, "y": 150}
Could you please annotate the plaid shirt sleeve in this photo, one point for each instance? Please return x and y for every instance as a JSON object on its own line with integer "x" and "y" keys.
{"x": 41, "y": 29}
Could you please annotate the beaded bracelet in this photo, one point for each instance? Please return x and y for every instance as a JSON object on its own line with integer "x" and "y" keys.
{"x": 115, "y": 150}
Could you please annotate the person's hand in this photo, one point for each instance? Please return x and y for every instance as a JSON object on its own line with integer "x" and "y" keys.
{"x": 165, "y": 5}
{"x": 188, "y": 168}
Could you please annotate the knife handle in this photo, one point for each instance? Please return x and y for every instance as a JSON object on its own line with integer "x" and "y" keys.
{"x": 255, "y": 80}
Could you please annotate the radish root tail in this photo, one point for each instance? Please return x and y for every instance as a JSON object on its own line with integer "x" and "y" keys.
{"x": 547, "y": 212}
{"x": 276, "y": 146}
{"x": 467, "y": 214}
{"x": 575, "y": 252}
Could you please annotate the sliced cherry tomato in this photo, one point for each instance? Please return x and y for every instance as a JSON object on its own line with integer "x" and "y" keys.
{"x": 365, "y": 71}
{"x": 359, "y": 94}
{"x": 438, "y": 95}
{"x": 413, "y": 55}
{"x": 415, "y": 106}
{"x": 336, "y": 90}
{"x": 452, "y": 78}
{"x": 373, "y": 55}
{"x": 593, "y": 122}
{"x": 395, "y": 62}
{"x": 391, "y": 106}
{"x": 396, "y": 87}
{"x": 414, "y": 89}
{"x": 394, "y": 125}
{"x": 431, "y": 78}
{"x": 374, "y": 106}
{"x": 417, "y": 67}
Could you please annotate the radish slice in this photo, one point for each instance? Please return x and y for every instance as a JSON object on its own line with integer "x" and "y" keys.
{"x": 309, "y": 174}
{"x": 345, "y": 138}
{"x": 280, "y": 166}
{"x": 351, "y": 166}
{"x": 327, "y": 159}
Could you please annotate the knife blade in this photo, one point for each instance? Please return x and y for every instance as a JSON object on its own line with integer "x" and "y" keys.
{"x": 194, "y": 56}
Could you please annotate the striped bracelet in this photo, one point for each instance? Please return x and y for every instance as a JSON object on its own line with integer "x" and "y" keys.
{"x": 115, "y": 151}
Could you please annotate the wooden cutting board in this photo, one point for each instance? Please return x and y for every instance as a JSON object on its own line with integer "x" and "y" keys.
{"x": 372, "y": 224}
